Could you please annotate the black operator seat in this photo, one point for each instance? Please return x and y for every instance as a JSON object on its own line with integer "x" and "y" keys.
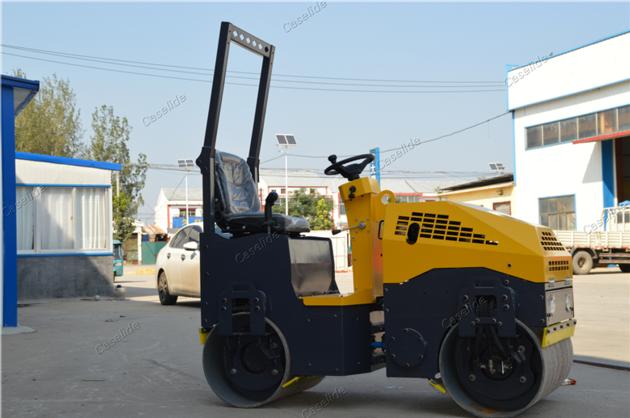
{"x": 239, "y": 209}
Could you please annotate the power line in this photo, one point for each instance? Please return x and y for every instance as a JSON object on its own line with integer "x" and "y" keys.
{"x": 254, "y": 85}
{"x": 272, "y": 159}
{"x": 166, "y": 67}
{"x": 209, "y": 73}
{"x": 437, "y": 138}
{"x": 169, "y": 167}
{"x": 251, "y": 85}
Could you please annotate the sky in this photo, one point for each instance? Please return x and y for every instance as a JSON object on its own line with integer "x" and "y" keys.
{"x": 449, "y": 42}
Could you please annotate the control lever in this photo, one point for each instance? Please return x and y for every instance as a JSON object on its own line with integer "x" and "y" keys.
{"x": 360, "y": 225}
{"x": 271, "y": 199}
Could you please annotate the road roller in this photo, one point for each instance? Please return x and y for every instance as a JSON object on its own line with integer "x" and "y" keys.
{"x": 474, "y": 301}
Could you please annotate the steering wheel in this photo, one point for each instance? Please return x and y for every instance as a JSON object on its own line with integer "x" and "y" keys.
{"x": 348, "y": 171}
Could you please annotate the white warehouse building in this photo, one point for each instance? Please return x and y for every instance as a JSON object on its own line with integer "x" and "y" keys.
{"x": 571, "y": 116}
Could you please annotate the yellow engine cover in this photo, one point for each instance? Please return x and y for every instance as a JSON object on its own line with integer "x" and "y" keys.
{"x": 456, "y": 235}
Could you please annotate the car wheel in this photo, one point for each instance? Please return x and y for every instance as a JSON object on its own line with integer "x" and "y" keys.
{"x": 165, "y": 297}
{"x": 582, "y": 262}
{"x": 625, "y": 268}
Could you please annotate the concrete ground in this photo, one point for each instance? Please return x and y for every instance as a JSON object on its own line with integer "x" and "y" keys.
{"x": 602, "y": 309}
{"x": 74, "y": 365}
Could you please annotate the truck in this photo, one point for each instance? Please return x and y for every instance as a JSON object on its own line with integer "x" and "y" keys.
{"x": 604, "y": 242}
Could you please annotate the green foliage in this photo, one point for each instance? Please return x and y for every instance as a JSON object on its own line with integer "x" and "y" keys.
{"x": 312, "y": 206}
{"x": 322, "y": 219}
{"x": 110, "y": 142}
{"x": 123, "y": 223}
{"x": 50, "y": 123}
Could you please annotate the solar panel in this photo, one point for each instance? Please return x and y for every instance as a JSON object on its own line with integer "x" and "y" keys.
{"x": 290, "y": 139}
{"x": 282, "y": 139}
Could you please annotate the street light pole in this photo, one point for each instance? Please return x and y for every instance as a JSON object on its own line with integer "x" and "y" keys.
{"x": 286, "y": 183}
{"x": 186, "y": 197}
{"x": 187, "y": 165}
{"x": 286, "y": 141}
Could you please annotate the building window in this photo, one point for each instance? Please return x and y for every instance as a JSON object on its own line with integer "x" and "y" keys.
{"x": 584, "y": 126}
{"x": 558, "y": 212}
{"x": 25, "y": 214}
{"x": 607, "y": 122}
{"x": 91, "y": 218}
{"x": 503, "y": 207}
{"x": 51, "y": 219}
{"x": 551, "y": 133}
{"x": 587, "y": 126}
{"x": 624, "y": 118}
{"x": 54, "y": 208}
{"x": 534, "y": 136}
{"x": 568, "y": 130}
{"x": 342, "y": 208}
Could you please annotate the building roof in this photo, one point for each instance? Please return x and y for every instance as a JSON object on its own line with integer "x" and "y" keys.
{"x": 551, "y": 77}
{"x": 274, "y": 177}
{"x": 67, "y": 161}
{"x": 153, "y": 230}
{"x": 179, "y": 194}
{"x": 23, "y": 91}
{"x": 516, "y": 67}
{"x": 399, "y": 182}
{"x": 396, "y": 181}
{"x": 490, "y": 181}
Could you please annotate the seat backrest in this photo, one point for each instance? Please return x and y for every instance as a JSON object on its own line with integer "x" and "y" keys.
{"x": 237, "y": 191}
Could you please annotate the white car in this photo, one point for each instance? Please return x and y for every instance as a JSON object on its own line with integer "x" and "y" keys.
{"x": 178, "y": 265}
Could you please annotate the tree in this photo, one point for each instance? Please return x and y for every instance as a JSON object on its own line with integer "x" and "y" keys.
{"x": 50, "y": 123}
{"x": 109, "y": 142}
{"x": 312, "y": 206}
{"x": 322, "y": 219}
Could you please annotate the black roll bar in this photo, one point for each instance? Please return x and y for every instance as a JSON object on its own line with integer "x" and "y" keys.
{"x": 206, "y": 160}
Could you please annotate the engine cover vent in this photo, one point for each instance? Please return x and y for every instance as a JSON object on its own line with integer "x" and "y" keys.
{"x": 439, "y": 226}
{"x": 549, "y": 242}
{"x": 558, "y": 265}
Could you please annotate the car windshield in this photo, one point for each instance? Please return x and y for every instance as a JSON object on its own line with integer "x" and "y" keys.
{"x": 118, "y": 254}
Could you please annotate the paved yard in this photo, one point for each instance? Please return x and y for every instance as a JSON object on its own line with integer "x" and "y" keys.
{"x": 602, "y": 308}
{"x": 67, "y": 367}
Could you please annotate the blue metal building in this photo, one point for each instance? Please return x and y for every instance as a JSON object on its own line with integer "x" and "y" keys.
{"x": 16, "y": 93}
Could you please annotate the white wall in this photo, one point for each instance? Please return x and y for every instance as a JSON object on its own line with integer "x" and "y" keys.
{"x": 600, "y": 64}
{"x": 562, "y": 169}
{"x": 161, "y": 212}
